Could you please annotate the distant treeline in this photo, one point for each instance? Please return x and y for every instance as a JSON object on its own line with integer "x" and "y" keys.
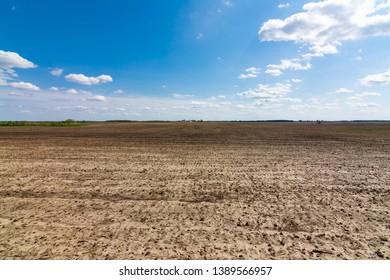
{"x": 68, "y": 122}
{"x": 71, "y": 122}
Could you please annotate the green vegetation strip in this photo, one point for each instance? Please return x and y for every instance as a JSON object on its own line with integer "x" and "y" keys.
{"x": 56, "y": 124}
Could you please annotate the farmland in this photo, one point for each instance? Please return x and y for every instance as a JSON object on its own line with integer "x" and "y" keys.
{"x": 195, "y": 191}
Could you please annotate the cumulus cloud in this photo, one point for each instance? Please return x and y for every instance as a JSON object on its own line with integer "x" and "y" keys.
{"x": 82, "y": 79}
{"x": 5, "y": 76}
{"x": 267, "y": 91}
{"x": 251, "y": 72}
{"x": 72, "y": 91}
{"x": 325, "y": 23}
{"x": 296, "y": 80}
{"x": 369, "y": 93}
{"x": 343, "y": 90}
{"x": 9, "y": 60}
{"x": 105, "y": 79}
{"x": 97, "y": 98}
{"x": 281, "y": 6}
{"x": 56, "y": 72}
{"x": 54, "y": 88}
{"x": 14, "y": 60}
{"x": 376, "y": 79}
{"x": 119, "y": 91}
{"x": 23, "y": 85}
{"x": 181, "y": 96}
{"x": 295, "y": 64}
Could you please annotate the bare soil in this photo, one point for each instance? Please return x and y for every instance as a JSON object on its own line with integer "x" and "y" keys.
{"x": 195, "y": 191}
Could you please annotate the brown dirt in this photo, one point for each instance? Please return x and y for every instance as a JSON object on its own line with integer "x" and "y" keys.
{"x": 195, "y": 191}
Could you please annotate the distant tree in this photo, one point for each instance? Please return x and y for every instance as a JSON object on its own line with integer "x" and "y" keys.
{"x": 69, "y": 121}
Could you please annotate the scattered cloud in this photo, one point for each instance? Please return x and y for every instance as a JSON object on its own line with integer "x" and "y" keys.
{"x": 343, "y": 90}
{"x": 376, "y": 79}
{"x": 56, "y": 72}
{"x": 23, "y": 85}
{"x": 119, "y": 91}
{"x": 82, "y": 79}
{"x": 202, "y": 104}
{"x": 368, "y": 93}
{"x": 54, "y": 88}
{"x": 286, "y": 5}
{"x": 14, "y": 60}
{"x": 251, "y": 72}
{"x": 181, "y": 96}
{"x": 324, "y": 24}
{"x": 72, "y": 91}
{"x": 8, "y": 61}
{"x": 267, "y": 91}
{"x": 296, "y": 81}
{"x": 97, "y": 98}
{"x": 295, "y": 64}
{"x": 322, "y": 50}
{"x": 105, "y": 79}
{"x": 5, "y": 76}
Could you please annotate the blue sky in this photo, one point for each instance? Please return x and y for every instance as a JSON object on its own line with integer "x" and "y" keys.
{"x": 200, "y": 59}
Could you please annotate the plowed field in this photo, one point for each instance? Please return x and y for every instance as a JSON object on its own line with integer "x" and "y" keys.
{"x": 195, "y": 191}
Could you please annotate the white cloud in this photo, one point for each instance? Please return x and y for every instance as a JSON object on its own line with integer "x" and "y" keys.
{"x": 343, "y": 90}
{"x": 72, "y": 91}
{"x": 296, "y": 81}
{"x": 253, "y": 70}
{"x": 281, "y": 6}
{"x": 120, "y": 109}
{"x": 251, "y": 73}
{"x": 323, "y": 23}
{"x": 14, "y": 60}
{"x": 54, "y": 88}
{"x": 369, "y": 93}
{"x": 273, "y": 72}
{"x": 376, "y": 79}
{"x": 267, "y": 91}
{"x": 203, "y": 104}
{"x": 105, "y": 79}
{"x": 295, "y": 64}
{"x": 5, "y": 76}
{"x": 246, "y": 76}
{"x": 181, "y": 96}
{"x": 119, "y": 91}
{"x": 9, "y": 60}
{"x": 363, "y": 105}
{"x": 56, "y": 72}
{"x": 23, "y": 85}
{"x": 322, "y": 50}
{"x": 82, "y": 79}
{"x": 97, "y": 98}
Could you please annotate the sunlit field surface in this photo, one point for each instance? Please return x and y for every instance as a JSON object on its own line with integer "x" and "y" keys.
{"x": 195, "y": 191}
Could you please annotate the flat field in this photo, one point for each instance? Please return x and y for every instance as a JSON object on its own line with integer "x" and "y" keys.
{"x": 196, "y": 191}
